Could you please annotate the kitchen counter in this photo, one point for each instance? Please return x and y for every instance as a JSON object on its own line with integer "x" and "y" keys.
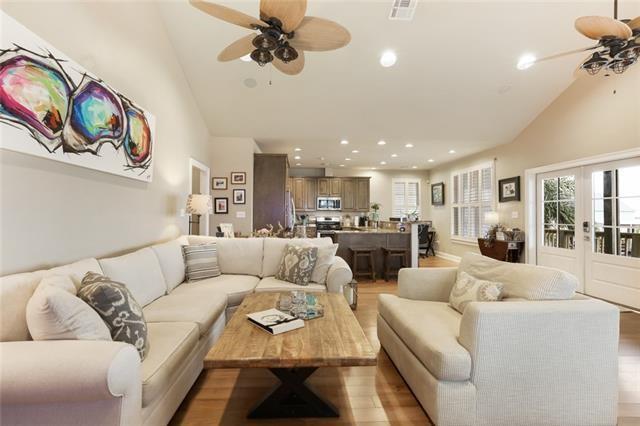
{"x": 362, "y": 229}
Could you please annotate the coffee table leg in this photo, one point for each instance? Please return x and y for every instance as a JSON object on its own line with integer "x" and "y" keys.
{"x": 292, "y": 398}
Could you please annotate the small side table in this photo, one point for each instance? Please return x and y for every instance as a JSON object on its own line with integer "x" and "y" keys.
{"x": 350, "y": 292}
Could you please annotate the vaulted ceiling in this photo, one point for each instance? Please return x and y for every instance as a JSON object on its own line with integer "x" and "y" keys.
{"x": 454, "y": 87}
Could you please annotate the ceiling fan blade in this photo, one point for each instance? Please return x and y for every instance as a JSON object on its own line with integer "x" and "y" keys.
{"x": 597, "y": 27}
{"x": 634, "y": 24}
{"x": 318, "y": 34}
{"x": 237, "y": 49}
{"x": 291, "y": 68}
{"x": 289, "y": 12}
{"x": 227, "y": 14}
{"x": 560, "y": 55}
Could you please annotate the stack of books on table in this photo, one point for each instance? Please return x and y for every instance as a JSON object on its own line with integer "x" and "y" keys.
{"x": 274, "y": 321}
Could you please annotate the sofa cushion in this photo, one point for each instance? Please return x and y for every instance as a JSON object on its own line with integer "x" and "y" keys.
{"x": 15, "y": 292}
{"x": 531, "y": 282}
{"x": 326, "y": 258}
{"x": 469, "y": 289}
{"x": 171, "y": 261}
{"x": 201, "y": 261}
{"x": 274, "y": 250}
{"x": 171, "y": 345}
{"x": 187, "y": 307}
{"x": 430, "y": 330}
{"x": 242, "y": 256}
{"x": 140, "y": 272}
{"x": 273, "y": 284}
{"x": 297, "y": 264}
{"x": 236, "y": 287}
{"x": 76, "y": 270}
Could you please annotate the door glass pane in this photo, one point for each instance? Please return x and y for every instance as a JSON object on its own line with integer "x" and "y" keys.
{"x": 567, "y": 188}
{"x": 550, "y": 238}
{"x": 603, "y": 240}
{"x": 629, "y": 182}
{"x": 550, "y": 189}
{"x": 551, "y": 212}
{"x": 629, "y": 211}
{"x": 601, "y": 184}
{"x": 566, "y": 236}
{"x": 566, "y": 212}
{"x": 629, "y": 241}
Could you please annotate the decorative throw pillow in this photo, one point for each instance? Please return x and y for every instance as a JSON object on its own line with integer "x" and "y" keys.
{"x": 55, "y": 313}
{"x": 469, "y": 289}
{"x": 297, "y": 264}
{"x": 326, "y": 257}
{"x": 201, "y": 261}
{"x": 117, "y": 308}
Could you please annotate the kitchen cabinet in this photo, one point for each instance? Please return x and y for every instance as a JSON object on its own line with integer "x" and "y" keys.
{"x": 297, "y": 189}
{"x": 311, "y": 193}
{"x": 348, "y": 195}
{"x": 362, "y": 194}
{"x": 270, "y": 178}
{"x": 324, "y": 187}
{"x": 335, "y": 187}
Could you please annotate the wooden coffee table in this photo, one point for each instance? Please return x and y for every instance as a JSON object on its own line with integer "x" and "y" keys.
{"x": 335, "y": 340}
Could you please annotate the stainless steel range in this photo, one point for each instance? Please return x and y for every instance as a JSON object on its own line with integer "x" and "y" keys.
{"x": 327, "y": 225}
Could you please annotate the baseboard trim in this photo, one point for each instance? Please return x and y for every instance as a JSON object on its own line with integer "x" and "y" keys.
{"x": 448, "y": 256}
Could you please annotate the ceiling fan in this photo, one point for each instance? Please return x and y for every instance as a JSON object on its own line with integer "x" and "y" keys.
{"x": 618, "y": 44}
{"x": 283, "y": 29}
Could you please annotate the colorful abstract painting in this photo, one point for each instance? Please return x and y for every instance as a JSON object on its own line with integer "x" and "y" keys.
{"x": 53, "y": 108}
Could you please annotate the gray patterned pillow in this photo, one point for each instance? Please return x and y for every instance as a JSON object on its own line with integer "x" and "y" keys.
{"x": 201, "y": 261}
{"x": 297, "y": 264}
{"x": 470, "y": 289}
{"x": 118, "y": 309}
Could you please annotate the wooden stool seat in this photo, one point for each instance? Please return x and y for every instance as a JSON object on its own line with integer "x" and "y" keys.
{"x": 389, "y": 255}
{"x": 363, "y": 253}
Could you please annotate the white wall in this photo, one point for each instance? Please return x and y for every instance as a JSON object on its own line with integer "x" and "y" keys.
{"x": 233, "y": 155}
{"x": 593, "y": 116}
{"x": 380, "y": 186}
{"x": 54, "y": 213}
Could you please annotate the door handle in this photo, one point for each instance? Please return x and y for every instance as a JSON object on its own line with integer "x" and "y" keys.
{"x": 585, "y": 226}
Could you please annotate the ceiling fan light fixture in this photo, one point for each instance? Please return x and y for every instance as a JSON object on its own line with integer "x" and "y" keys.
{"x": 594, "y": 64}
{"x": 286, "y": 53}
{"x": 262, "y": 56}
{"x": 620, "y": 65}
{"x": 266, "y": 41}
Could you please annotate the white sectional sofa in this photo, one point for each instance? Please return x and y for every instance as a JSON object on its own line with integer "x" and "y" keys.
{"x": 513, "y": 362}
{"x": 104, "y": 383}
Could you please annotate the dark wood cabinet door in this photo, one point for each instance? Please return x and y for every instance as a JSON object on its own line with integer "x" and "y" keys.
{"x": 348, "y": 195}
{"x": 362, "y": 194}
{"x": 298, "y": 193}
{"x": 335, "y": 187}
{"x": 311, "y": 192}
{"x": 323, "y": 187}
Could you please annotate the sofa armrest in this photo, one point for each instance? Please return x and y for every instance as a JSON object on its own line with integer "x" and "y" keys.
{"x": 432, "y": 284}
{"x": 46, "y": 373}
{"x": 553, "y": 351}
{"x": 339, "y": 275}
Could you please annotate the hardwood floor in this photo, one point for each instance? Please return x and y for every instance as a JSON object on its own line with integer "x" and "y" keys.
{"x": 368, "y": 395}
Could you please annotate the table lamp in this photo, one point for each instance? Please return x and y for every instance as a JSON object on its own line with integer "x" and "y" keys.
{"x": 197, "y": 205}
{"x": 491, "y": 218}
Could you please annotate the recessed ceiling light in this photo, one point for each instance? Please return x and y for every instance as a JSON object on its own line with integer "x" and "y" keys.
{"x": 388, "y": 58}
{"x": 297, "y": 157}
{"x": 246, "y": 58}
{"x": 382, "y": 143}
{"x": 526, "y": 61}
{"x": 298, "y": 149}
{"x": 430, "y": 160}
{"x": 414, "y": 167}
{"x": 347, "y": 159}
{"x": 355, "y": 151}
{"x": 409, "y": 145}
{"x": 298, "y": 164}
{"x": 344, "y": 142}
{"x": 452, "y": 151}
{"x": 394, "y": 155}
{"x": 382, "y": 163}
{"x": 341, "y": 165}
{"x": 373, "y": 168}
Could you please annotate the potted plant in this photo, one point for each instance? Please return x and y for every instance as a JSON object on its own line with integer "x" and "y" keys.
{"x": 375, "y": 208}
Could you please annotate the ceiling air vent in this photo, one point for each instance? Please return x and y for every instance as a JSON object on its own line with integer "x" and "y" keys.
{"x": 403, "y": 10}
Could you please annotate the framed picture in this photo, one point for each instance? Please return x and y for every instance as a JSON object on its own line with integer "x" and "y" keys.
{"x": 437, "y": 194}
{"x": 219, "y": 183}
{"x": 221, "y": 205}
{"x": 238, "y": 178}
{"x": 509, "y": 189}
{"x": 239, "y": 196}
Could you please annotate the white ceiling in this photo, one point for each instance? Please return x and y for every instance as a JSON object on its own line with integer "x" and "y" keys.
{"x": 455, "y": 85}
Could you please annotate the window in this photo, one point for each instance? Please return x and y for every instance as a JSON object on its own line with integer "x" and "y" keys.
{"x": 559, "y": 211}
{"x": 472, "y": 197}
{"x": 406, "y": 197}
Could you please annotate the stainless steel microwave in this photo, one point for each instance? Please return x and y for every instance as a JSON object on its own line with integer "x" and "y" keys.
{"x": 329, "y": 203}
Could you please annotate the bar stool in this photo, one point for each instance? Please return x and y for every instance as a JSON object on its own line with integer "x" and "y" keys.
{"x": 389, "y": 255}
{"x": 363, "y": 253}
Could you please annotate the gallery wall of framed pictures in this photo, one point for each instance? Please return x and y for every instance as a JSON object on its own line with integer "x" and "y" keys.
{"x": 238, "y": 195}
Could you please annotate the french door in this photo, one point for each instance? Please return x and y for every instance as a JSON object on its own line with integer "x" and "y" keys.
{"x": 588, "y": 224}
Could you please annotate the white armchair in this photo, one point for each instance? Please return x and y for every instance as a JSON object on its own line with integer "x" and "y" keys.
{"x": 531, "y": 362}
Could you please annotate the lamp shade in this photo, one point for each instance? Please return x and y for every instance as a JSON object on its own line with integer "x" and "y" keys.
{"x": 199, "y": 204}
{"x": 491, "y": 218}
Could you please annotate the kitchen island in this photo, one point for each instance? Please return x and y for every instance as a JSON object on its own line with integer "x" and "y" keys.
{"x": 376, "y": 238}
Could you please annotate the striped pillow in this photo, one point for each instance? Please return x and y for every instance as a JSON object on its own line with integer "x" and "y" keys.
{"x": 201, "y": 261}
